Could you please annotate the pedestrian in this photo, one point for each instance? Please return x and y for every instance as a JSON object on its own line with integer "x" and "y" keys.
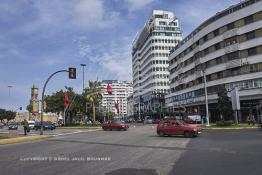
{"x": 253, "y": 121}
{"x": 26, "y": 126}
{"x": 248, "y": 119}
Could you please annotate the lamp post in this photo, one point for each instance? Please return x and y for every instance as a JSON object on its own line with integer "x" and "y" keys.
{"x": 83, "y": 68}
{"x": 206, "y": 99}
{"x": 9, "y": 89}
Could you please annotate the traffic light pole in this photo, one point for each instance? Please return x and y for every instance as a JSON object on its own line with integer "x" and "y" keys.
{"x": 43, "y": 97}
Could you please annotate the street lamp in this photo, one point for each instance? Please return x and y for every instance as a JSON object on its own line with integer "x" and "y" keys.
{"x": 83, "y": 68}
{"x": 9, "y": 89}
{"x": 205, "y": 82}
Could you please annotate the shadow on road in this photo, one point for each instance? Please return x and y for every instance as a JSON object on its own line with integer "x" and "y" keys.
{"x": 132, "y": 171}
{"x": 118, "y": 144}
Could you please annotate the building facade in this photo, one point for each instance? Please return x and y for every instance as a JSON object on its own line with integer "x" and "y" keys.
{"x": 150, "y": 51}
{"x": 226, "y": 48}
{"x": 120, "y": 91}
{"x": 130, "y": 106}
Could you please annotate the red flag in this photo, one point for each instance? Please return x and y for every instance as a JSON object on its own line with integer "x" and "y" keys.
{"x": 109, "y": 89}
{"x": 117, "y": 106}
{"x": 66, "y": 100}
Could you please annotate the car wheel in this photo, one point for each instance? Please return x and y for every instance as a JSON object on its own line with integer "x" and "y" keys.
{"x": 161, "y": 134}
{"x": 188, "y": 134}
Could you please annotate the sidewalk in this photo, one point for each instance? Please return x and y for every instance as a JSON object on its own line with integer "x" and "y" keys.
{"x": 23, "y": 139}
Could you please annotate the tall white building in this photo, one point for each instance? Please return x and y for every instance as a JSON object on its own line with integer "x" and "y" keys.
{"x": 228, "y": 48}
{"x": 120, "y": 91}
{"x": 151, "y": 48}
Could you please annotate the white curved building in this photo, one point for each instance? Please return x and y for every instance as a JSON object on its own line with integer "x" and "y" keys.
{"x": 151, "y": 48}
{"x": 228, "y": 47}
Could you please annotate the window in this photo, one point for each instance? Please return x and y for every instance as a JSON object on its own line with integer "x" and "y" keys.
{"x": 216, "y": 32}
{"x": 250, "y": 35}
{"x": 205, "y": 38}
{"x": 248, "y": 19}
{"x": 252, "y": 51}
{"x": 233, "y": 56}
{"x": 217, "y": 46}
{"x": 230, "y": 26}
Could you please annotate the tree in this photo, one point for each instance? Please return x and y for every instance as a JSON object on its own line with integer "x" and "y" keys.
{"x": 55, "y": 103}
{"x": 6, "y": 114}
{"x": 93, "y": 96}
{"x": 2, "y": 114}
{"x": 224, "y": 104}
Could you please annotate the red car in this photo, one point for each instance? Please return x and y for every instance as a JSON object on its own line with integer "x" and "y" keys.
{"x": 115, "y": 125}
{"x": 177, "y": 127}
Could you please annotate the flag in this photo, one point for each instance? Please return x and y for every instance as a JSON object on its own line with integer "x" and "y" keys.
{"x": 66, "y": 100}
{"x": 109, "y": 89}
{"x": 117, "y": 106}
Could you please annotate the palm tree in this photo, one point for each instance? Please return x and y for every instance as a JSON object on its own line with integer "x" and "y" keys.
{"x": 93, "y": 95}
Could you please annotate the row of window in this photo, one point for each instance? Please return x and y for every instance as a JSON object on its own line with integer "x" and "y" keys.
{"x": 162, "y": 47}
{"x": 219, "y": 60}
{"x": 244, "y": 69}
{"x": 165, "y": 28}
{"x": 236, "y": 24}
{"x": 178, "y": 34}
{"x": 227, "y": 42}
{"x": 248, "y": 84}
{"x": 175, "y": 41}
{"x": 170, "y": 23}
{"x": 242, "y": 85}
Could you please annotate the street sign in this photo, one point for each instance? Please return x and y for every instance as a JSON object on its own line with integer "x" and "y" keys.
{"x": 235, "y": 99}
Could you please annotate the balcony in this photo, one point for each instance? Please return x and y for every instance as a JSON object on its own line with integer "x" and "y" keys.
{"x": 231, "y": 48}
{"x": 230, "y": 33}
{"x": 233, "y": 63}
{"x": 198, "y": 74}
{"x": 197, "y": 62}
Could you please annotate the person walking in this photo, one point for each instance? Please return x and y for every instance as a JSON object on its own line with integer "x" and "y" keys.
{"x": 26, "y": 126}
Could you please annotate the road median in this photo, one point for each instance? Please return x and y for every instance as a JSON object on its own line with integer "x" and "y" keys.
{"x": 23, "y": 139}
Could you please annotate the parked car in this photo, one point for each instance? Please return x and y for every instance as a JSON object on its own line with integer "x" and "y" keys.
{"x": 31, "y": 124}
{"x": 12, "y": 126}
{"x": 1, "y": 125}
{"x": 156, "y": 121}
{"x": 46, "y": 125}
{"x": 115, "y": 125}
{"x": 177, "y": 127}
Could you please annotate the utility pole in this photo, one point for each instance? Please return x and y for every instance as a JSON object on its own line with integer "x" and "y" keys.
{"x": 83, "y": 68}
{"x": 9, "y": 89}
{"x": 206, "y": 99}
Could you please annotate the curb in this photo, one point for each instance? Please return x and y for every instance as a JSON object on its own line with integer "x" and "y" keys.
{"x": 240, "y": 128}
{"x": 78, "y": 128}
{"x": 22, "y": 139}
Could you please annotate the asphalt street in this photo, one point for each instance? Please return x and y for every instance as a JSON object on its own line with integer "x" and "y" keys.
{"x": 234, "y": 152}
{"x": 136, "y": 151}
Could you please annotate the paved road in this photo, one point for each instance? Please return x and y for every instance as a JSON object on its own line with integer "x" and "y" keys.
{"x": 223, "y": 152}
{"x": 137, "y": 151}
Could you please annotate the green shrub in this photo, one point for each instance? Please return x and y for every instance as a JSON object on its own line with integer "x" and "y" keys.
{"x": 224, "y": 123}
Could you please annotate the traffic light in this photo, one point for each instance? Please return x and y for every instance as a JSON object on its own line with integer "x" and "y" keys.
{"x": 21, "y": 108}
{"x": 72, "y": 73}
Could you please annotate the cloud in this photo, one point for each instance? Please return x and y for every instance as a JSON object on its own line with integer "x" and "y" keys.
{"x": 134, "y": 5}
{"x": 110, "y": 59}
{"x": 192, "y": 13}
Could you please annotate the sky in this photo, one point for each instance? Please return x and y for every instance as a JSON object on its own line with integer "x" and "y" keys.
{"x": 39, "y": 37}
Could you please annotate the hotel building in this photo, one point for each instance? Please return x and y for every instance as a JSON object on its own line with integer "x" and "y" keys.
{"x": 150, "y": 51}
{"x": 120, "y": 91}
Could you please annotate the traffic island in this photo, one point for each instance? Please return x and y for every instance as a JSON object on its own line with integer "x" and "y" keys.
{"x": 232, "y": 127}
{"x": 7, "y": 139}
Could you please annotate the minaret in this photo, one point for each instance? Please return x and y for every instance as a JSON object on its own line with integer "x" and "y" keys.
{"x": 34, "y": 102}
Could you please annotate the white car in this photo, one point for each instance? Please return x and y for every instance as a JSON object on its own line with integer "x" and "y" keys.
{"x": 31, "y": 124}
